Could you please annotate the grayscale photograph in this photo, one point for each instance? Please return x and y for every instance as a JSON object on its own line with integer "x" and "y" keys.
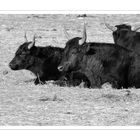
{"x": 69, "y": 69}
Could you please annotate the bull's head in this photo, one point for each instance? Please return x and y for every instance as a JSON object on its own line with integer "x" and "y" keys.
{"x": 72, "y": 52}
{"x": 23, "y": 57}
{"x": 122, "y": 34}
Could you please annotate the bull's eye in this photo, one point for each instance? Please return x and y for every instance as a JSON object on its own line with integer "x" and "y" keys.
{"x": 73, "y": 52}
{"x": 23, "y": 54}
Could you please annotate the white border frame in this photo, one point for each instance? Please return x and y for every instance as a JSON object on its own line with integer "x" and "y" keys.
{"x": 69, "y": 127}
{"x": 69, "y": 12}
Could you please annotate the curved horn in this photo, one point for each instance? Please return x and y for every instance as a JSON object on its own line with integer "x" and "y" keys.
{"x": 112, "y": 28}
{"x": 25, "y": 37}
{"x": 136, "y": 28}
{"x": 83, "y": 40}
{"x": 32, "y": 43}
{"x": 66, "y": 33}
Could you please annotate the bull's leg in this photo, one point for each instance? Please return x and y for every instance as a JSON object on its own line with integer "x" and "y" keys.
{"x": 75, "y": 77}
{"x": 36, "y": 82}
{"x": 39, "y": 80}
{"x": 62, "y": 81}
{"x": 68, "y": 80}
{"x": 112, "y": 80}
{"x": 95, "y": 80}
{"x": 79, "y": 78}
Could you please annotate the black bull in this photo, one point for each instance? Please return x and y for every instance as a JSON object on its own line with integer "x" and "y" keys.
{"x": 99, "y": 62}
{"x": 42, "y": 61}
{"x": 124, "y": 35}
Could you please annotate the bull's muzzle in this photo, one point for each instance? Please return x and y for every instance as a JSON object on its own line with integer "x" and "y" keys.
{"x": 64, "y": 67}
{"x": 13, "y": 67}
{"x": 60, "y": 68}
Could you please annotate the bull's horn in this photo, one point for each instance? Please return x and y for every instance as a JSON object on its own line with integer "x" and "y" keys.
{"x": 25, "y": 37}
{"x": 136, "y": 28}
{"x": 33, "y": 43}
{"x": 66, "y": 33}
{"x": 83, "y": 40}
{"x": 112, "y": 28}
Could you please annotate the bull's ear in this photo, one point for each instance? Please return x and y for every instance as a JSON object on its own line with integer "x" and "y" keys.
{"x": 32, "y": 44}
{"x": 87, "y": 49}
{"x": 84, "y": 37}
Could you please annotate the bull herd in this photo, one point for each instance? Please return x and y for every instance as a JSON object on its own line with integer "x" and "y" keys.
{"x": 91, "y": 63}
